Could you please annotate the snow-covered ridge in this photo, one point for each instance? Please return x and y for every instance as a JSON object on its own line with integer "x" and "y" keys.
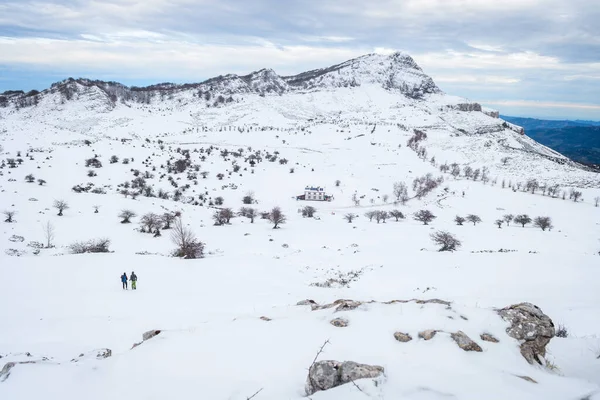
{"x": 396, "y": 72}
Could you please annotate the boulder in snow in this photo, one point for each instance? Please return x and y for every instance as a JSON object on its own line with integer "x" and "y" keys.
{"x": 530, "y": 326}
{"x": 150, "y": 334}
{"x": 488, "y": 337}
{"x": 402, "y": 337}
{"x": 427, "y": 334}
{"x": 339, "y": 322}
{"x": 465, "y": 342}
{"x": 324, "y": 375}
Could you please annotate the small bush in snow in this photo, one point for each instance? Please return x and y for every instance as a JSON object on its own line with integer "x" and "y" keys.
{"x": 93, "y": 162}
{"x": 248, "y": 198}
{"x": 30, "y": 178}
{"x": 41, "y": 182}
{"x": 337, "y": 183}
{"x": 61, "y": 206}
{"x": 459, "y": 220}
{"x": 114, "y": 159}
{"x": 508, "y": 218}
{"x": 91, "y": 246}
{"x": 188, "y": 246}
{"x": 445, "y": 239}
{"x": 499, "y": 222}
{"x": 167, "y": 219}
{"x": 9, "y": 214}
{"x": 219, "y": 201}
{"x": 562, "y": 331}
{"x": 350, "y": 217}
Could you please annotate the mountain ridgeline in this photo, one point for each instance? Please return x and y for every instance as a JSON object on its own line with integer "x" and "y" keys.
{"x": 397, "y": 72}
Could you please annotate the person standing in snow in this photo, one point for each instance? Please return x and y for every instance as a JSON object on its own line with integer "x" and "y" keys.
{"x": 133, "y": 279}
{"x": 124, "y": 280}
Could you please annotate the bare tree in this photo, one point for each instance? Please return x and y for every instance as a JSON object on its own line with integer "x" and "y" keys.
{"x": 381, "y": 216}
{"x": 126, "y": 215}
{"x": 476, "y": 173}
{"x": 522, "y": 219}
{"x": 48, "y": 229}
{"x": 455, "y": 170}
{"x": 338, "y": 182}
{"x": 249, "y": 213}
{"x": 355, "y": 199}
{"x": 445, "y": 239}
{"x": 30, "y": 178}
{"x": 424, "y": 216}
{"x": 397, "y": 214}
{"x": 187, "y": 245}
{"x": 499, "y": 222}
{"x": 505, "y": 160}
{"x": 508, "y": 218}
{"x": 309, "y": 211}
{"x": 543, "y": 223}
{"x": 227, "y": 214}
{"x": 575, "y": 195}
{"x": 150, "y": 222}
{"x": 468, "y": 172}
{"x": 277, "y": 217}
{"x": 385, "y": 198}
{"x": 596, "y": 201}
{"x": 401, "y": 192}
{"x": 459, "y": 220}
{"x": 532, "y": 185}
{"x": 41, "y": 182}
{"x": 167, "y": 219}
{"x": 61, "y": 206}
{"x": 370, "y": 215}
{"x": 9, "y": 214}
{"x": 248, "y": 198}
{"x": 96, "y": 209}
{"x": 350, "y": 217}
{"x": 473, "y": 218}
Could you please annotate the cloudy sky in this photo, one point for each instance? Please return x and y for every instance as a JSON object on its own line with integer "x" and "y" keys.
{"x": 524, "y": 57}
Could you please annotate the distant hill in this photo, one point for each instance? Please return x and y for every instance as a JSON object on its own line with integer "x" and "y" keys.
{"x": 578, "y": 140}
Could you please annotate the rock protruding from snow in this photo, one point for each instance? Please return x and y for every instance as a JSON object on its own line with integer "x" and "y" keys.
{"x": 465, "y": 342}
{"x": 339, "y": 322}
{"x": 402, "y": 337}
{"x": 427, "y": 334}
{"x": 324, "y": 375}
{"x": 531, "y": 327}
{"x": 150, "y": 334}
{"x": 488, "y": 337}
{"x": 5, "y": 372}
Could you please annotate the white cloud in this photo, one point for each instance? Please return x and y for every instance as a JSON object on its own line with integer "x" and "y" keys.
{"x": 543, "y": 104}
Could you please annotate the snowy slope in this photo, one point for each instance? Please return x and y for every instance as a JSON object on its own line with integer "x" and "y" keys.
{"x": 272, "y": 136}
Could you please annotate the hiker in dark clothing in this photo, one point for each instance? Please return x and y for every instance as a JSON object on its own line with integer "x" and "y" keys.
{"x": 133, "y": 279}
{"x": 124, "y": 280}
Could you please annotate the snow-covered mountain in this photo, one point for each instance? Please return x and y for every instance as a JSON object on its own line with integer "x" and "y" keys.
{"x": 249, "y": 318}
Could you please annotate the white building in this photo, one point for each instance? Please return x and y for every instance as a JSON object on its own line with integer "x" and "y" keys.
{"x": 314, "y": 193}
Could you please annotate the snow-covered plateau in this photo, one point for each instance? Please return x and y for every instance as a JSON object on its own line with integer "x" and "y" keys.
{"x": 356, "y": 279}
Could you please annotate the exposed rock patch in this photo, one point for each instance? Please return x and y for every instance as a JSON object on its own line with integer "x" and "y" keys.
{"x": 488, "y": 337}
{"x": 150, "y": 334}
{"x": 530, "y": 326}
{"x": 427, "y": 334}
{"x": 402, "y": 337}
{"x": 345, "y": 304}
{"x": 324, "y": 375}
{"x": 465, "y": 342}
{"x": 526, "y": 378}
{"x": 339, "y": 322}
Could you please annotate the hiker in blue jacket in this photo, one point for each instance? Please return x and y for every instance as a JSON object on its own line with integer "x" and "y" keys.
{"x": 124, "y": 280}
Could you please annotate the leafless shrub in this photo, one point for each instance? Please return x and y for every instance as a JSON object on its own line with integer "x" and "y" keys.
{"x": 508, "y": 218}
{"x": 381, "y": 216}
{"x": 425, "y": 184}
{"x": 574, "y": 195}
{"x": 9, "y": 214}
{"x": 248, "y": 198}
{"x": 350, "y": 217}
{"x": 61, "y": 206}
{"x": 188, "y": 246}
{"x": 370, "y": 215}
{"x": 459, "y": 220}
{"x": 41, "y": 182}
{"x": 91, "y": 246}
{"x": 445, "y": 239}
{"x": 150, "y": 222}
{"x": 30, "y": 178}
{"x": 93, "y": 162}
{"x": 562, "y": 331}
{"x": 499, "y": 222}
{"x": 401, "y": 192}
{"x": 167, "y": 220}
{"x": 337, "y": 183}
{"x": 596, "y": 201}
